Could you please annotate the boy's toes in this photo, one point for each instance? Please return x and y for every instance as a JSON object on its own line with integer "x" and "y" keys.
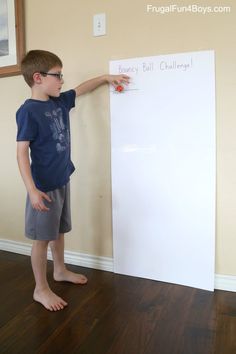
{"x": 82, "y": 279}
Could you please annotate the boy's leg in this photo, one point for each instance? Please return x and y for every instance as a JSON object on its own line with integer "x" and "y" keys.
{"x": 42, "y": 292}
{"x": 60, "y": 271}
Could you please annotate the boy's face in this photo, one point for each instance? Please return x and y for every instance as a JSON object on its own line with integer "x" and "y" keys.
{"x": 52, "y": 81}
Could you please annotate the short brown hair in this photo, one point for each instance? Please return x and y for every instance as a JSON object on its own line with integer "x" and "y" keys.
{"x": 37, "y": 61}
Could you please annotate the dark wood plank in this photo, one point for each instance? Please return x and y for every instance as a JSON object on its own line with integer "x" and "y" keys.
{"x": 121, "y": 309}
{"x": 226, "y": 323}
{"x": 172, "y": 321}
{"x": 112, "y": 314}
{"x": 139, "y": 326}
{"x": 199, "y": 333}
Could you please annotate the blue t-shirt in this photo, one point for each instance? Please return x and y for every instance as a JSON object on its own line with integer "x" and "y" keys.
{"x": 46, "y": 125}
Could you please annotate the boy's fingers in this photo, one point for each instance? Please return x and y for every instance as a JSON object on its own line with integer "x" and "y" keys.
{"x": 125, "y": 78}
{"x": 45, "y": 196}
{"x": 42, "y": 207}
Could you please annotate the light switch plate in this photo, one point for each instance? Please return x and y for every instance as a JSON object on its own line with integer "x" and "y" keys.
{"x": 99, "y": 25}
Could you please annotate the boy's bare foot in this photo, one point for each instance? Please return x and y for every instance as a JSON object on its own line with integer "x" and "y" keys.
{"x": 67, "y": 275}
{"x": 49, "y": 300}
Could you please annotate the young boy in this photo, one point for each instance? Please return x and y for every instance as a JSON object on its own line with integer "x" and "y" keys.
{"x": 44, "y": 129}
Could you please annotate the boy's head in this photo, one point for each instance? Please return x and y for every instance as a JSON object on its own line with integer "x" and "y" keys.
{"x": 37, "y": 61}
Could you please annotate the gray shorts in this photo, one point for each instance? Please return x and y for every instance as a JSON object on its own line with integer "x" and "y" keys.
{"x": 47, "y": 225}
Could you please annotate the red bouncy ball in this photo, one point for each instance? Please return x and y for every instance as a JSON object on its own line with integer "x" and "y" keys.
{"x": 119, "y": 88}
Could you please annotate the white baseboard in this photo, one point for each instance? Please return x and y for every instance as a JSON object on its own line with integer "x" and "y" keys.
{"x": 225, "y": 282}
{"x": 75, "y": 258}
{"x": 222, "y": 282}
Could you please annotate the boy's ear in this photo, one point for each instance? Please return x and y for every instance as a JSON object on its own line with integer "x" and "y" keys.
{"x": 37, "y": 78}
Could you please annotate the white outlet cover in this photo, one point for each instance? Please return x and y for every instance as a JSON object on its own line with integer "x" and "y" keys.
{"x": 99, "y": 25}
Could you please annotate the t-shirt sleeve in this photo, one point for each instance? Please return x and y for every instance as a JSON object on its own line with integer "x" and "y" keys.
{"x": 26, "y": 126}
{"x": 68, "y": 99}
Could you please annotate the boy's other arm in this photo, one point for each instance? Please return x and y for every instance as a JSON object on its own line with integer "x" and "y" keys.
{"x": 92, "y": 84}
{"x": 36, "y": 196}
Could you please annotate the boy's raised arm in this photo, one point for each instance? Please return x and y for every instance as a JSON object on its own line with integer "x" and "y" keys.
{"x": 92, "y": 84}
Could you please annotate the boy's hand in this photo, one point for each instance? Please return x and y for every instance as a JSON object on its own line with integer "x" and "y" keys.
{"x": 36, "y": 198}
{"x": 92, "y": 84}
{"x": 115, "y": 80}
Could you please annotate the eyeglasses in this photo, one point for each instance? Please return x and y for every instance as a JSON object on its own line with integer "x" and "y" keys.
{"x": 59, "y": 76}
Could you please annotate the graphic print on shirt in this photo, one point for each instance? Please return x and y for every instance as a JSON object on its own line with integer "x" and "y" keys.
{"x": 59, "y": 131}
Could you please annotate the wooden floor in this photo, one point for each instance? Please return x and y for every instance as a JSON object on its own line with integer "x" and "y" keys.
{"x": 112, "y": 314}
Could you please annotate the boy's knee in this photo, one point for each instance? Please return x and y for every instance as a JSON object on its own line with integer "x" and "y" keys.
{"x": 41, "y": 243}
